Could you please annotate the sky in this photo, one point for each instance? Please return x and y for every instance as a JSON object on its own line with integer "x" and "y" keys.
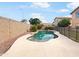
{"x": 45, "y": 11}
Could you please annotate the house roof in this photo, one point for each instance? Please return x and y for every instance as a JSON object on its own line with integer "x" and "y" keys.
{"x": 74, "y": 10}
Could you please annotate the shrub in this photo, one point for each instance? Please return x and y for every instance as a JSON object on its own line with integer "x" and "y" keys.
{"x": 39, "y": 26}
{"x": 64, "y": 22}
{"x": 33, "y": 28}
{"x": 48, "y": 28}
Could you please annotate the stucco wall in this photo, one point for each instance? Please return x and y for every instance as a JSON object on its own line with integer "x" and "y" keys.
{"x": 10, "y": 29}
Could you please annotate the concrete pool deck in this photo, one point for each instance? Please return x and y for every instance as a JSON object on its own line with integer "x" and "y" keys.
{"x": 58, "y": 47}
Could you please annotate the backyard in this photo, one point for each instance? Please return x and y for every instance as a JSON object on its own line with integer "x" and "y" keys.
{"x": 39, "y": 29}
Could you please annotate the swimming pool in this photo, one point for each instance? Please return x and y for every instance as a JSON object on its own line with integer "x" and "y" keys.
{"x": 42, "y": 36}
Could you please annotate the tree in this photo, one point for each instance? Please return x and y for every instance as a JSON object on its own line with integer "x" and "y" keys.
{"x": 23, "y": 20}
{"x": 34, "y": 21}
{"x": 64, "y": 22}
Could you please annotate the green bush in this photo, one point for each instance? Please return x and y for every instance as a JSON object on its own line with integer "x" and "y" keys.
{"x": 64, "y": 22}
{"x": 33, "y": 28}
{"x": 48, "y": 28}
{"x": 39, "y": 26}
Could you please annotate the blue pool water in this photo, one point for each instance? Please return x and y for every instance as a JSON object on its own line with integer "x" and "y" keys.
{"x": 42, "y": 36}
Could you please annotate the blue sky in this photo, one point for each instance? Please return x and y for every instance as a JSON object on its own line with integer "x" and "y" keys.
{"x": 45, "y": 11}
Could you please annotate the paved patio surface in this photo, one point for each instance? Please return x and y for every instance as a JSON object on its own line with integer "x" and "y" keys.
{"x": 58, "y": 47}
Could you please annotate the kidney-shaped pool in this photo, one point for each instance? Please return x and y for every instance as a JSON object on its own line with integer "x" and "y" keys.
{"x": 42, "y": 36}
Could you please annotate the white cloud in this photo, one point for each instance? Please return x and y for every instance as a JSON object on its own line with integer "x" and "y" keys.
{"x": 38, "y": 15}
{"x": 63, "y": 10}
{"x": 73, "y": 5}
{"x": 35, "y": 4}
{"x": 40, "y": 4}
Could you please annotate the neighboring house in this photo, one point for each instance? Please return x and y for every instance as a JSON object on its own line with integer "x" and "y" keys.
{"x": 75, "y": 17}
{"x": 58, "y": 19}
